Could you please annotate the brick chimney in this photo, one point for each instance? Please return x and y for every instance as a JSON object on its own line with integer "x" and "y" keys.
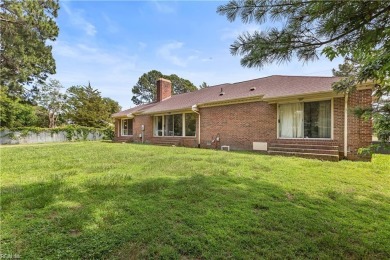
{"x": 164, "y": 89}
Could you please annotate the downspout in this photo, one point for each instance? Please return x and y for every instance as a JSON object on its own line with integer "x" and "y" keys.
{"x": 346, "y": 125}
{"x": 195, "y": 109}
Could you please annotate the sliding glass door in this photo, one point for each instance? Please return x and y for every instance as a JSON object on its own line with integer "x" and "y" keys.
{"x": 317, "y": 119}
{"x": 305, "y": 120}
{"x": 291, "y": 120}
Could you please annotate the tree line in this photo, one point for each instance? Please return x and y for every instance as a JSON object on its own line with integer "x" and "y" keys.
{"x": 48, "y": 105}
{"x": 27, "y": 96}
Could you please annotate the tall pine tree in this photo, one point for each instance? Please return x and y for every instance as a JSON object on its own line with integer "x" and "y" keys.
{"x": 145, "y": 89}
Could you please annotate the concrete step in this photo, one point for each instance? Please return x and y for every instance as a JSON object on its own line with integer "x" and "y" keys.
{"x": 166, "y": 142}
{"x": 324, "y": 150}
{"x": 305, "y": 146}
{"x": 119, "y": 139}
{"x": 325, "y": 157}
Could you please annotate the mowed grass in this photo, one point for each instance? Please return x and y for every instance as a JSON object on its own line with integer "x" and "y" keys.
{"x": 128, "y": 201}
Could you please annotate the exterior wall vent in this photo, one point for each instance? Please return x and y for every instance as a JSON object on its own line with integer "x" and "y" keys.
{"x": 260, "y": 146}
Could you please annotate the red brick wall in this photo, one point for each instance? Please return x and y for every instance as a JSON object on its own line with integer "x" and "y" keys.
{"x": 242, "y": 124}
{"x": 338, "y": 123}
{"x": 239, "y": 125}
{"x": 147, "y": 121}
{"x": 164, "y": 89}
{"x": 117, "y": 127}
{"x": 359, "y": 130}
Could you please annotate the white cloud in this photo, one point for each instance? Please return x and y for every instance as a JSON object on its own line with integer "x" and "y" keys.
{"x": 78, "y": 20}
{"x": 170, "y": 51}
{"x": 112, "y": 71}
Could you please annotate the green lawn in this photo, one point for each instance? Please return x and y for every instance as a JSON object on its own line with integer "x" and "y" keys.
{"x": 106, "y": 200}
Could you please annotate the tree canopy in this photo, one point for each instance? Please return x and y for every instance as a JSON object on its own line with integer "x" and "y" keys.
{"x": 14, "y": 113}
{"x": 354, "y": 29}
{"x": 52, "y": 100}
{"x": 145, "y": 89}
{"x": 203, "y": 85}
{"x": 86, "y": 107}
{"x": 26, "y": 28}
{"x": 308, "y": 28}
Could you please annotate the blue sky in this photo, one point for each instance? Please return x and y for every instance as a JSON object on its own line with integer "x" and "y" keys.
{"x": 112, "y": 43}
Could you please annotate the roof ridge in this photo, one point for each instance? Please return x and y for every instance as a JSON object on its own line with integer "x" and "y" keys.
{"x": 200, "y": 89}
{"x": 300, "y": 76}
{"x": 251, "y": 80}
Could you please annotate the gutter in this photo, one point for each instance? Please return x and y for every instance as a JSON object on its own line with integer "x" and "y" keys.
{"x": 128, "y": 116}
{"x": 346, "y": 125}
{"x": 195, "y": 109}
{"x": 231, "y": 101}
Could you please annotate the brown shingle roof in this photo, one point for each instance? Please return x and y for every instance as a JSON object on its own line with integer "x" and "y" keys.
{"x": 136, "y": 109}
{"x": 268, "y": 87}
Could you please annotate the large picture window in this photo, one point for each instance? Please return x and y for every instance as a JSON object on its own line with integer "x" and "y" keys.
{"x": 190, "y": 124}
{"x": 158, "y": 126}
{"x": 175, "y": 125}
{"x": 127, "y": 127}
{"x": 305, "y": 120}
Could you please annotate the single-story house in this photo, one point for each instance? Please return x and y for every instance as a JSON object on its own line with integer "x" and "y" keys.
{"x": 287, "y": 115}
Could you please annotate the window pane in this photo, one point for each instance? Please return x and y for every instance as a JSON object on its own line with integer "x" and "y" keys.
{"x": 127, "y": 127}
{"x": 158, "y": 126}
{"x": 178, "y": 125}
{"x": 168, "y": 131}
{"x": 124, "y": 127}
{"x": 190, "y": 124}
{"x": 130, "y": 126}
{"x": 290, "y": 120}
{"x": 317, "y": 119}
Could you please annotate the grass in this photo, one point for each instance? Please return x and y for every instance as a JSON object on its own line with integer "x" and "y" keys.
{"x": 128, "y": 201}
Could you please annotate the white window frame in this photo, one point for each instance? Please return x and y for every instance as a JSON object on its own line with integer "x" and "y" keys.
{"x": 122, "y": 128}
{"x": 163, "y": 126}
{"x": 305, "y": 101}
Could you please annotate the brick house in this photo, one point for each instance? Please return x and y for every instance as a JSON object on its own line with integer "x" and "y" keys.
{"x": 288, "y": 115}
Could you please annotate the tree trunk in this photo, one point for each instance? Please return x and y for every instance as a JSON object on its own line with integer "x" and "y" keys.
{"x": 52, "y": 122}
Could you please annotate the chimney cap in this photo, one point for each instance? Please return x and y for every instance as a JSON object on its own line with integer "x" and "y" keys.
{"x": 162, "y": 79}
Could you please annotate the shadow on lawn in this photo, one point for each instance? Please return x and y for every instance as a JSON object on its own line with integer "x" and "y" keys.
{"x": 192, "y": 217}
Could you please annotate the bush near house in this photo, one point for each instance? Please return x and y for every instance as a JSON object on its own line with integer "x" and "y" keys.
{"x": 121, "y": 201}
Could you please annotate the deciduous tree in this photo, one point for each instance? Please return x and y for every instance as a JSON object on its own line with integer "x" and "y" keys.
{"x": 51, "y": 99}
{"x": 14, "y": 113}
